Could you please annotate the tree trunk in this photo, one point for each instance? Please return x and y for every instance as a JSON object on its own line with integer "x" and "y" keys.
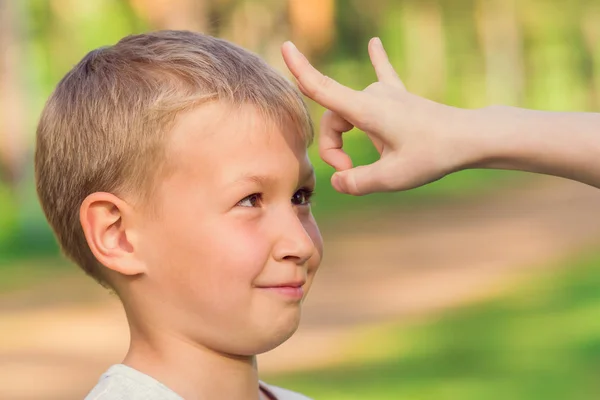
{"x": 424, "y": 45}
{"x": 502, "y": 44}
{"x": 173, "y": 14}
{"x": 591, "y": 34}
{"x": 12, "y": 118}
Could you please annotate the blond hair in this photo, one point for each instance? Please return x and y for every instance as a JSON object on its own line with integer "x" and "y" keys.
{"x": 104, "y": 127}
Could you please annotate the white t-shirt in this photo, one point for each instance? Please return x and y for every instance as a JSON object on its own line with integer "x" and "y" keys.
{"x": 121, "y": 382}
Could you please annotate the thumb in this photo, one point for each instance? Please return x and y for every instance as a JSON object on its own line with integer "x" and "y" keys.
{"x": 365, "y": 179}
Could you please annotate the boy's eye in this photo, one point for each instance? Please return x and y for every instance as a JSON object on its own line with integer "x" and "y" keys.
{"x": 302, "y": 197}
{"x": 250, "y": 201}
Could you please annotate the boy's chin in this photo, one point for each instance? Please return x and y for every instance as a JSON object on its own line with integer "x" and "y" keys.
{"x": 271, "y": 337}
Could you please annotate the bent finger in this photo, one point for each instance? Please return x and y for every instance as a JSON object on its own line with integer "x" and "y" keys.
{"x": 331, "y": 141}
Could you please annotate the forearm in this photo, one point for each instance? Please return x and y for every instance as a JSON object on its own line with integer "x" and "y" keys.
{"x": 553, "y": 143}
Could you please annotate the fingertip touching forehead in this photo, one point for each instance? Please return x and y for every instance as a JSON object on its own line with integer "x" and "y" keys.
{"x": 104, "y": 128}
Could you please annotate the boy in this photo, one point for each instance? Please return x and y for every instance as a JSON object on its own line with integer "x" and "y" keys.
{"x": 173, "y": 169}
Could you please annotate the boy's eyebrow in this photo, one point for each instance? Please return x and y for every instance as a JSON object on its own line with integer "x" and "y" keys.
{"x": 308, "y": 174}
{"x": 265, "y": 180}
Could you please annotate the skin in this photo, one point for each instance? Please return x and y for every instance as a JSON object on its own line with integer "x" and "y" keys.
{"x": 421, "y": 141}
{"x": 197, "y": 278}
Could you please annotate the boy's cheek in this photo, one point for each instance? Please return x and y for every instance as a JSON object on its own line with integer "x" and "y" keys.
{"x": 314, "y": 232}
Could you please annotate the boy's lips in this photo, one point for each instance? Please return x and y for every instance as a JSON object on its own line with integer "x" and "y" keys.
{"x": 291, "y": 290}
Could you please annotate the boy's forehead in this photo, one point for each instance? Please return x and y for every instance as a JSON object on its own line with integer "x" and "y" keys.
{"x": 221, "y": 124}
{"x": 218, "y": 136}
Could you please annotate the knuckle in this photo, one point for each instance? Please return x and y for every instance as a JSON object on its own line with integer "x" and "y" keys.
{"x": 327, "y": 117}
{"x": 387, "y": 181}
{"x": 374, "y": 87}
{"x": 380, "y": 90}
{"x": 364, "y": 121}
{"x": 315, "y": 88}
{"x": 323, "y": 84}
{"x": 352, "y": 187}
{"x": 326, "y": 82}
{"x": 323, "y": 152}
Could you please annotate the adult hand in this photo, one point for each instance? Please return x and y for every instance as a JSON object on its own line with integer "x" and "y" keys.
{"x": 418, "y": 140}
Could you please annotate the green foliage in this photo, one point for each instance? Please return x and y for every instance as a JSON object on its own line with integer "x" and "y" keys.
{"x": 31, "y": 271}
{"x": 560, "y": 65}
{"x": 540, "y": 342}
{"x": 8, "y": 212}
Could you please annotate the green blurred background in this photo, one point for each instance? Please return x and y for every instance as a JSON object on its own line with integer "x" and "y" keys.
{"x": 537, "y": 338}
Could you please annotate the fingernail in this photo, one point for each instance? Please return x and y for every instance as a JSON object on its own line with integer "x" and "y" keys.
{"x": 378, "y": 41}
{"x": 300, "y": 54}
{"x": 336, "y": 182}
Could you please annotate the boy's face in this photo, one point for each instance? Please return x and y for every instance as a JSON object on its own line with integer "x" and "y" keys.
{"x": 234, "y": 247}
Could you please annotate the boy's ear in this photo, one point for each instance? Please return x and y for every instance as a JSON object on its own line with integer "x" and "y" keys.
{"x": 107, "y": 223}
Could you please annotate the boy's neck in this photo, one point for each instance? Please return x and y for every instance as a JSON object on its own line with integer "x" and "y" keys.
{"x": 192, "y": 371}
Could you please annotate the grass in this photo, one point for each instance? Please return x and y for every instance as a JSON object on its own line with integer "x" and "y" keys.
{"x": 26, "y": 273}
{"x": 542, "y": 341}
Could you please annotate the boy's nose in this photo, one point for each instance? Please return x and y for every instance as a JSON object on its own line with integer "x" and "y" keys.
{"x": 294, "y": 243}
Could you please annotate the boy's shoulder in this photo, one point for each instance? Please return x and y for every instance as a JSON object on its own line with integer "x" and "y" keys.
{"x": 121, "y": 382}
{"x": 281, "y": 393}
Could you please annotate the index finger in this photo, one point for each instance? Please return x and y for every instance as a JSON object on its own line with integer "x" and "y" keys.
{"x": 327, "y": 92}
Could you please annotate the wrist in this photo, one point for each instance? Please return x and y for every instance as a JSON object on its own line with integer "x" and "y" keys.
{"x": 467, "y": 138}
{"x": 489, "y": 137}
